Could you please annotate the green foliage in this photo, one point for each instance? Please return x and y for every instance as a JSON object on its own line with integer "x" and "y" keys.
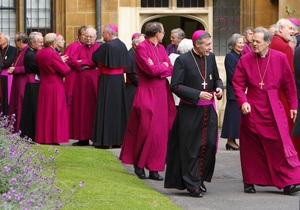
{"x": 291, "y": 11}
{"x": 27, "y": 176}
{"x": 30, "y": 178}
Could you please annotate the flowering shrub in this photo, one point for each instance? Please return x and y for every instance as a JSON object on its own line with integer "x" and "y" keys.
{"x": 27, "y": 177}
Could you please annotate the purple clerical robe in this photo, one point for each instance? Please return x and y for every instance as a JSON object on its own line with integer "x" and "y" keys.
{"x": 82, "y": 109}
{"x": 52, "y": 119}
{"x": 280, "y": 44}
{"x": 247, "y": 48}
{"x": 153, "y": 110}
{"x": 268, "y": 156}
{"x": 18, "y": 88}
{"x": 70, "y": 77}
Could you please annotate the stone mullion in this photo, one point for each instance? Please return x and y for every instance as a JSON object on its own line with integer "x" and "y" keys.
{"x": 247, "y": 14}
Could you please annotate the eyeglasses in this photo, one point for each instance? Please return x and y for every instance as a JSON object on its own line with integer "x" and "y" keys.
{"x": 89, "y": 37}
{"x": 162, "y": 32}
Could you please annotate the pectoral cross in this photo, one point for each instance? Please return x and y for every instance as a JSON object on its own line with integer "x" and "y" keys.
{"x": 261, "y": 84}
{"x": 204, "y": 84}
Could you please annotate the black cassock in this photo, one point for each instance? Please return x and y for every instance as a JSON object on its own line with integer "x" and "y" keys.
{"x": 29, "y": 107}
{"x": 7, "y": 57}
{"x": 192, "y": 144}
{"x": 110, "y": 115}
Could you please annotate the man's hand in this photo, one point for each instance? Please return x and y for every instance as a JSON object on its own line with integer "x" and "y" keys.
{"x": 206, "y": 95}
{"x": 293, "y": 115}
{"x": 219, "y": 93}
{"x": 150, "y": 62}
{"x": 65, "y": 58}
{"x": 246, "y": 108}
{"x": 167, "y": 65}
{"x": 11, "y": 70}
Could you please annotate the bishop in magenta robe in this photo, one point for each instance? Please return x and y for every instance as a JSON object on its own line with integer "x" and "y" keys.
{"x": 280, "y": 42}
{"x": 268, "y": 156}
{"x": 153, "y": 110}
{"x": 51, "y": 121}
{"x": 18, "y": 85}
{"x": 84, "y": 96}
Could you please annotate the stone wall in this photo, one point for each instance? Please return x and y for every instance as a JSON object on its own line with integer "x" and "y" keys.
{"x": 78, "y": 13}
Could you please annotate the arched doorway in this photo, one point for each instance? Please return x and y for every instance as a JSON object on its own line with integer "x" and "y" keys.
{"x": 170, "y": 22}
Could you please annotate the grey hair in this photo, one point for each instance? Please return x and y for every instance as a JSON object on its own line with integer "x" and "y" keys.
{"x": 6, "y": 36}
{"x": 280, "y": 23}
{"x": 137, "y": 38}
{"x": 233, "y": 40}
{"x": 246, "y": 30}
{"x": 33, "y": 37}
{"x": 49, "y": 39}
{"x": 267, "y": 34}
{"x": 180, "y": 33}
{"x": 92, "y": 30}
{"x": 185, "y": 45}
{"x": 199, "y": 40}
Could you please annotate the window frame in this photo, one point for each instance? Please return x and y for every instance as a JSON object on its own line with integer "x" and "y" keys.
{"x": 11, "y": 31}
{"x": 43, "y": 30}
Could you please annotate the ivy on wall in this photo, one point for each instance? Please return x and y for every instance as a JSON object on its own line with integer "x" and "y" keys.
{"x": 291, "y": 11}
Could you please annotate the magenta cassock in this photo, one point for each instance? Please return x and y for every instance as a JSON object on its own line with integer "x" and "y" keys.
{"x": 52, "y": 118}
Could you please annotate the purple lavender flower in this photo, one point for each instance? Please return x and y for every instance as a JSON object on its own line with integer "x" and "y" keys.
{"x": 22, "y": 202}
{"x": 18, "y": 196}
{"x": 13, "y": 180}
{"x": 6, "y": 169}
{"x": 30, "y": 200}
{"x": 28, "y": 178}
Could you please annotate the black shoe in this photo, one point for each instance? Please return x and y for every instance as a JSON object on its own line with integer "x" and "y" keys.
{"x": 140, "y": 172}
{"x": 57, "y": 144}
{"x": 101, "y": 147}
{"x": 116, "y": 146}
{"x": 291, "y": 189}
{"x": 155, "y": 176}
{"x": 202, "y": 188}
{"x": 249, "y": 188}
{"x": 229, "y": 147}
{"x": 195, "y": 193}
{"x": 81, "y": 143}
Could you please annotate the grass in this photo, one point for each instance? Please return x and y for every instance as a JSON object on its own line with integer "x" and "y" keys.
{"x": 107, "y": 183}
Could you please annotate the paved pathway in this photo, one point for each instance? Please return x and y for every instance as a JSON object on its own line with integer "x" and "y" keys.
{"x": 226, "y": 189}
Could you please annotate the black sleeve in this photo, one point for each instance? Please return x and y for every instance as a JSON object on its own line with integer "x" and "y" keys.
{"x": 178, "y": 83}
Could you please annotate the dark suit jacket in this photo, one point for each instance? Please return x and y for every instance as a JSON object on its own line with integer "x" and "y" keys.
{"x": 10, "y": 53}
{"x": 231, "y": 60}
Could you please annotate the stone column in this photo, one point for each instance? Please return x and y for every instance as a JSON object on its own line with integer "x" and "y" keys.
{"x": 247, "y": 14}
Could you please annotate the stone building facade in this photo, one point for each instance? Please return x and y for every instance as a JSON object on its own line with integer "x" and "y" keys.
{"x": 220, "y": 18}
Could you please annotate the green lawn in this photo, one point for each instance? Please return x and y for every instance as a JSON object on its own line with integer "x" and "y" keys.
{"x": 107, "y": 183}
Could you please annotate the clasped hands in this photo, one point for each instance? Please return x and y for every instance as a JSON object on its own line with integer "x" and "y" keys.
{"x": 208, "y": 96}
{"x": 64, "y": 58}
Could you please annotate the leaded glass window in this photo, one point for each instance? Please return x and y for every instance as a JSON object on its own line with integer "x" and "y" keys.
{"x": 38, "y": 16}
